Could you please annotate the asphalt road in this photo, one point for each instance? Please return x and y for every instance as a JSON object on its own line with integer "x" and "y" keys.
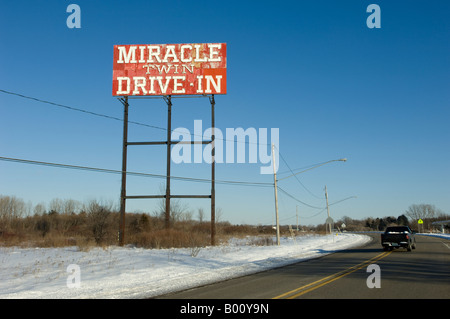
{"x": 423, "y": 273}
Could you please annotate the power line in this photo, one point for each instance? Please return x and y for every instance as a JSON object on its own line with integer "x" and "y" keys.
{"x": 342, "y": 200}
{"x": 238, "y": 183}
{"x": 322, "y": 208}
{"x": 111, "y": 171}
{"x": 281, "y": 156}
{"x": 307, "y": 217}
{"x": 80, "y": 110}
{"x": 296, "y": 199}
{"x": 116, "y": 118}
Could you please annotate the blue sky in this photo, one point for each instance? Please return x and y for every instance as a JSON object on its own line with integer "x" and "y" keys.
{"x": 313, "y": 69}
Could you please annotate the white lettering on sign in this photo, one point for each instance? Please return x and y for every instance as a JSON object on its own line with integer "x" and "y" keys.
{"x": 165, "y": 69}
{"x": 154, "y": 51}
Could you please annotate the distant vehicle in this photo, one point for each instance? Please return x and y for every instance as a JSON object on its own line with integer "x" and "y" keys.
{"x": 398, "y": 237}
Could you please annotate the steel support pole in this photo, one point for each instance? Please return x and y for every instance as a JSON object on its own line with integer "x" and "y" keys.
{"x": 123, "y": 192}
{"x": 213, "y": 175}
{"x": 169, "y": 144}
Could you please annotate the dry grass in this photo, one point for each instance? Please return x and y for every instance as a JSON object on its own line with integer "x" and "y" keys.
{"x": 97, "y": 226}
{"x": 89, "y": 229}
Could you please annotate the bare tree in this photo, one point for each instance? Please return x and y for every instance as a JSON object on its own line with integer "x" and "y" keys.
{"x": 219, "y": 214}
{"x": 178, "y": 211}
{"x": 421, "y": 211}
{"x": 39, "y": 209}
{"x": 56, "y": 205}
{"x": 201, "y": 215}
{"x": 71, "y": 206}
{"x": 11, "y": 208}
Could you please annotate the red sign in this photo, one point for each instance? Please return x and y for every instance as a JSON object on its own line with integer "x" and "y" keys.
{"x": 170, "y": 69}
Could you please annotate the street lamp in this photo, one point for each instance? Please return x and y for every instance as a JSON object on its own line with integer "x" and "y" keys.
{"x": 318, "y": 165}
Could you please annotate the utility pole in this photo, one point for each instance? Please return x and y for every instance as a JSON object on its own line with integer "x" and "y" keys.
{"x": 276, "y": 195}
{"x": 329, "y": 220}
{"x": 296, "y": 213}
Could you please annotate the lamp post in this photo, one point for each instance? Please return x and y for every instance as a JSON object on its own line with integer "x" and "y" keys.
{"x": 318, "y": 165}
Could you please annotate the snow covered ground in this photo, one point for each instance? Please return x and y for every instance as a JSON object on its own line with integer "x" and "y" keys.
{"x": 127, "y": 272}
{"x": 446, "y": 236}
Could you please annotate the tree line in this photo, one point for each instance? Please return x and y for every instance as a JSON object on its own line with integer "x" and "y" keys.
{"x": 65, "y": 222}
{"x": 426, "y": 212}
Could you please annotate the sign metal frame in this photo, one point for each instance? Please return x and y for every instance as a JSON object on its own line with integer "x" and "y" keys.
{"x": 205, "y": 76}
{"x": 168, "y": 195}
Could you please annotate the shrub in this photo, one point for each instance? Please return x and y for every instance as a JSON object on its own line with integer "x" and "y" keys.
{"x": 98, "y": 217}
{"x": 43, "y": 225}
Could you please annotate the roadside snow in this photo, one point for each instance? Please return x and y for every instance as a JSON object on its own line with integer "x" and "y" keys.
{"x": 126, "y": 272}
{"x": 445, "y": 236}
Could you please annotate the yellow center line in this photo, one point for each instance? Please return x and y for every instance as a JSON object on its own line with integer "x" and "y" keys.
{"x": 321, "y": 282}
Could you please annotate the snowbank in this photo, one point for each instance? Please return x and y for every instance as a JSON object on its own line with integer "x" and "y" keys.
{"x": 126, "y": 272}
{"x": 445, "y": 236}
